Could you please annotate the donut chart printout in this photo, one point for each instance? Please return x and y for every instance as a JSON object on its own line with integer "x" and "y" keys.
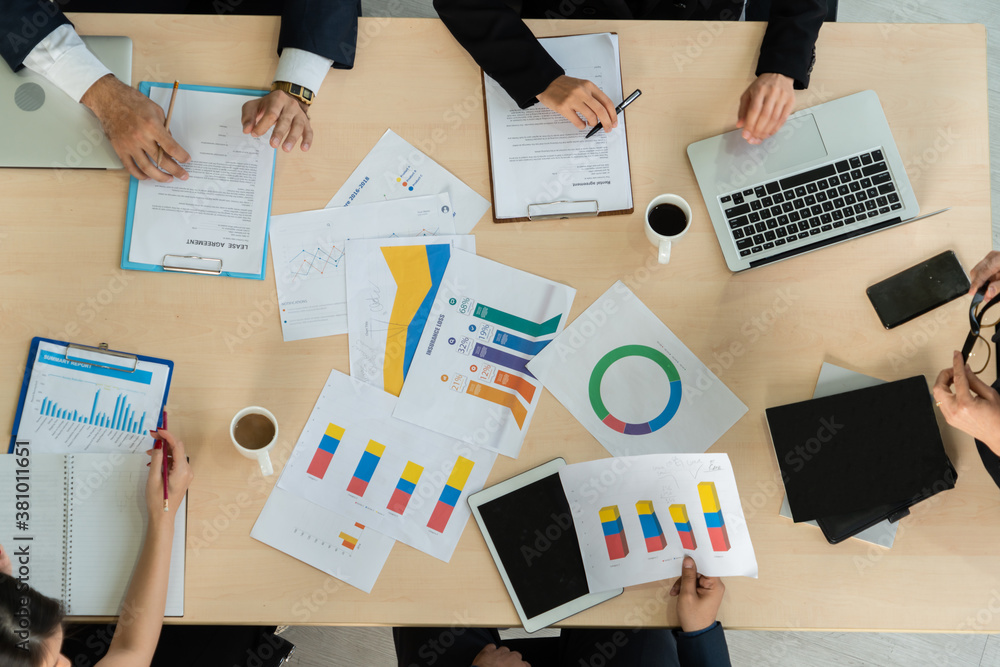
{"x": 633, "y": 384}
{"x": 636, "y": 517}
{"x": 469, "y": 376}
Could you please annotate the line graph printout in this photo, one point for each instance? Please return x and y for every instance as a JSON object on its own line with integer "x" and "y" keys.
{"x": 308, "y": 252}
{"x": 391, "y": 284}
{"x": 73, "y": 407}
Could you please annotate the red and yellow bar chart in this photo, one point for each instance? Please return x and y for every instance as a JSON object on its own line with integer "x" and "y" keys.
{"x": 366, "y": 468}
{"x": 614, "y": 532}
{"x": 349, "y": 541}
{"x": 404, "y": 487}
{"x": 652, "y": 532}
{"x": 324, "y": 453}
{"x": 682, "y": 523}
{"x": 450, "y": 494}
{"x": 713, "y": 516}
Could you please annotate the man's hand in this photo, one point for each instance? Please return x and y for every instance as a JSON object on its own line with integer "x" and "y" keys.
{"x": 765, "y": 106}
{"x": 134, "y": 125}
{"x": 987, "y": 271}
{"x": 491, "y": 656}
{"x": 698, "y": 597}
{"x": 574, "y": 97}
{"x": 974, "y": 407}
{"x": 285, "y": 113}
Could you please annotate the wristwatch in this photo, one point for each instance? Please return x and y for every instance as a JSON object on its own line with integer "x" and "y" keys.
{"x": 300, "y": 93}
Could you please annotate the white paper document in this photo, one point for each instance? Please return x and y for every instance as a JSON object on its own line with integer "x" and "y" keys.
{"x": 637, "y": 517}
{"x": 468, "y": 378}
{"x": 395, "y": 169}
{"x": 539, "y": 157}
{"x": 632, "y": 383}
{"x": 221, "y": 211}
{"x": 330, "y": 542}
{"x": 391, "y": 284}
{"x": 309, "y": 262}
{"x": 391, "y": 476}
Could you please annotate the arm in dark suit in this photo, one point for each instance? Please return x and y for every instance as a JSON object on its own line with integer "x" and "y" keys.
{"x": 790, "y": 40}
{"x": 497, "y": 39}
{"x": 23, "y": 24}
{"x": 706, "y": 648}
{"x": 328, "y": 28}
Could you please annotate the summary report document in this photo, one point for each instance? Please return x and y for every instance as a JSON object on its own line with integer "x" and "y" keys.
{"x": 542, "y": 165}
{"x": 216, "y": 221}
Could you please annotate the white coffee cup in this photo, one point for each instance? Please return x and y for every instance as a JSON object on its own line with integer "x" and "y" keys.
{"x": 259, "y": 454}
{"x": 662, "y": 241}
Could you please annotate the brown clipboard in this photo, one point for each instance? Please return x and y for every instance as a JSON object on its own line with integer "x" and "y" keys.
{"x": 528, "y": 218}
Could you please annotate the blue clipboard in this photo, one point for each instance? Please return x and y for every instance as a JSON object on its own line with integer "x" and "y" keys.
{"x": 33, "y": 353}
{"x": 133, "y": 186}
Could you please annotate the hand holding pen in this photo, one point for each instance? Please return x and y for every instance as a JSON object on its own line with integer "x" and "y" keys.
{"x": 170, "y": 475}
{"x": 618, "y": 109}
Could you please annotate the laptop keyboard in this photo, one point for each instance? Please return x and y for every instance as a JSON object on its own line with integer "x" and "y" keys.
{"x": 816, "y": 203}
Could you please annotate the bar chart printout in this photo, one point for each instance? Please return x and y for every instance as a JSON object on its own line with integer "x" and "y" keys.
{"x": 404, "y": 487}
{"x": 713, "y": 516}
{"x": 324, "y": 453}
{"x": 450, "y": 494}
{"x": 366, "y": 468}
{"x": 652, "y": 532}
{"x": 614, "y": 532}
{"x": 123, "y": 418}
{"x": 349, "y": 541}
{"x": 683, "y": 525}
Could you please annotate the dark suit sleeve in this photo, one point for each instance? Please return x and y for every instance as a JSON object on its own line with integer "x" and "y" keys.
{"x": 789, "y": 45}
{"x": 497, "y": 39}
{"x": 23, "y": 24}
{"x": 703, "y": 649}
{"x": 328, "y": 28}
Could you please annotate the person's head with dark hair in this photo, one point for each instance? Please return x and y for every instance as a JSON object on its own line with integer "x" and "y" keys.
{"x": 30, "y": 624}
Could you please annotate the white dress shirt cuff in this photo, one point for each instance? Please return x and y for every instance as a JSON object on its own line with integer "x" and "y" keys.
{"x": 66, "y": 62}
{"x": 303, "y": 68}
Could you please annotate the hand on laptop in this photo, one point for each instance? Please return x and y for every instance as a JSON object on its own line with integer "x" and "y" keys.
{"x": 973, "y": 407}
{"x": 987, "y": 271}
{"x": 575, "y": 97}
{"x": 134, "y": 125}
{"x": 765, "y": 106}
{"x": 491, "y": 656}
{"x": 285, "y": 113}
{"x": 698, "y": 597}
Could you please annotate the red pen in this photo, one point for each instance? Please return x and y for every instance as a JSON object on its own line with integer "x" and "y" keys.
{"x": 166, "y": 466}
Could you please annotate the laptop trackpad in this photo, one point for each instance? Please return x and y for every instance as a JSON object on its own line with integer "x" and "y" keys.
{"x": 797, "y": 142}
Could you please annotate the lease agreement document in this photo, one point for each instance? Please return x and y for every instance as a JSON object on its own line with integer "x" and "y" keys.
{"x": 221, "y": 211}
{"x": 539, "y": 157}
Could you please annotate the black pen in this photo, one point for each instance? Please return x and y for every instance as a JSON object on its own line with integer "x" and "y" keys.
{"x": 618, "y": 109}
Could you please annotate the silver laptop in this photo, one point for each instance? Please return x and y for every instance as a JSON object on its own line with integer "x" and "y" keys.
{"x": 45, "y": 128}
{"x": 831, "y": 174}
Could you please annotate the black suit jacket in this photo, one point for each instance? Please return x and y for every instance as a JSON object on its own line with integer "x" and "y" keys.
{"x": 328, "y": 28}
{"x": 494, "y": 34}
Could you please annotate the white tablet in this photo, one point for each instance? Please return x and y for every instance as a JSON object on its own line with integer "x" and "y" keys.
{"x": 528, "y": 527}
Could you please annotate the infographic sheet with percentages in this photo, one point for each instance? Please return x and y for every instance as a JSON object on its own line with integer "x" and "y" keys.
{"x": 392, "y": 476}
{"x": 469, "y": 376}
{"x": 632, "y": 383}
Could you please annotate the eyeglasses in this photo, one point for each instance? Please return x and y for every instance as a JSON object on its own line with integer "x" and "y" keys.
{"x": 976, "y": 351}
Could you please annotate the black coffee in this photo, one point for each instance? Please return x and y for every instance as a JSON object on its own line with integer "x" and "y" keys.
{"x": 667, "y": 219}
{"x": 254, "y": 431}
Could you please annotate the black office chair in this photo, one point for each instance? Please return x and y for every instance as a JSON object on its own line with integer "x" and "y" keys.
{"x": 758, "y": 10}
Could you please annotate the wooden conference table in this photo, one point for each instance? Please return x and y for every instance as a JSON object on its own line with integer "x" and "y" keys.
{"x": 764, "y": 332}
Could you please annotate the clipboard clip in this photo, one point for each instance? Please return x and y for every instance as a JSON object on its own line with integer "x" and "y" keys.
{"x": 192, "y": 264}
{"x": 555, "y": 210}
{"x": 98, "y": 356}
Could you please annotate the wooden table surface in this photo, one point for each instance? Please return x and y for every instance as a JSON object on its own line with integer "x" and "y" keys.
{"x": 764, "y": 332}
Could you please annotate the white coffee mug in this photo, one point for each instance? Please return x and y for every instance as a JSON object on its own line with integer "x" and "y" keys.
{"x": 661, "y": 241}
{"x": 260, "y": 455}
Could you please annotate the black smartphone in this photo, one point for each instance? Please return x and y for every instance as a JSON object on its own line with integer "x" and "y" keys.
{"x": 919, "y": 289}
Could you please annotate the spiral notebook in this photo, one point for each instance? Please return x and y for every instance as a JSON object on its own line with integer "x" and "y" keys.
{"x": 74, "y": 525}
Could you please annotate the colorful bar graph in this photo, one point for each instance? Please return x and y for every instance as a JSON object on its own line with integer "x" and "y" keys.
{"x": 450, "y": 494}
{"x": 614, "y": 532}
{"x": 500, "y": 398}
{"x": 366, "y": 468}
{"x": 404, "y": 487}
{"x": 500, "y": 318}
{"x": 324, "y": 453}
{"x": 501, "y": 358}
{"x": 518, "y": 344}
{"x": 682, "y": 523}
{"x": 349, "y": 541}
{"x": 518, "y": 384}
{"x": 713, "y": 516}
{"x": 652, "y": 532}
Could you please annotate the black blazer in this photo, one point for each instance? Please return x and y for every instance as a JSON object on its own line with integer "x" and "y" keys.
{"x": 328, "y": 28}
{"x": 493, "y": 33}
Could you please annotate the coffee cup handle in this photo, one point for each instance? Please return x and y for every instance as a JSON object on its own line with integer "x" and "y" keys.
{"x": 265, "y": 464}
{"x": 664, "y": 256}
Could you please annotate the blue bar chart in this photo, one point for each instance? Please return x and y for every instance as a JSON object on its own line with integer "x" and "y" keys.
{"x": 124, "y": 417}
